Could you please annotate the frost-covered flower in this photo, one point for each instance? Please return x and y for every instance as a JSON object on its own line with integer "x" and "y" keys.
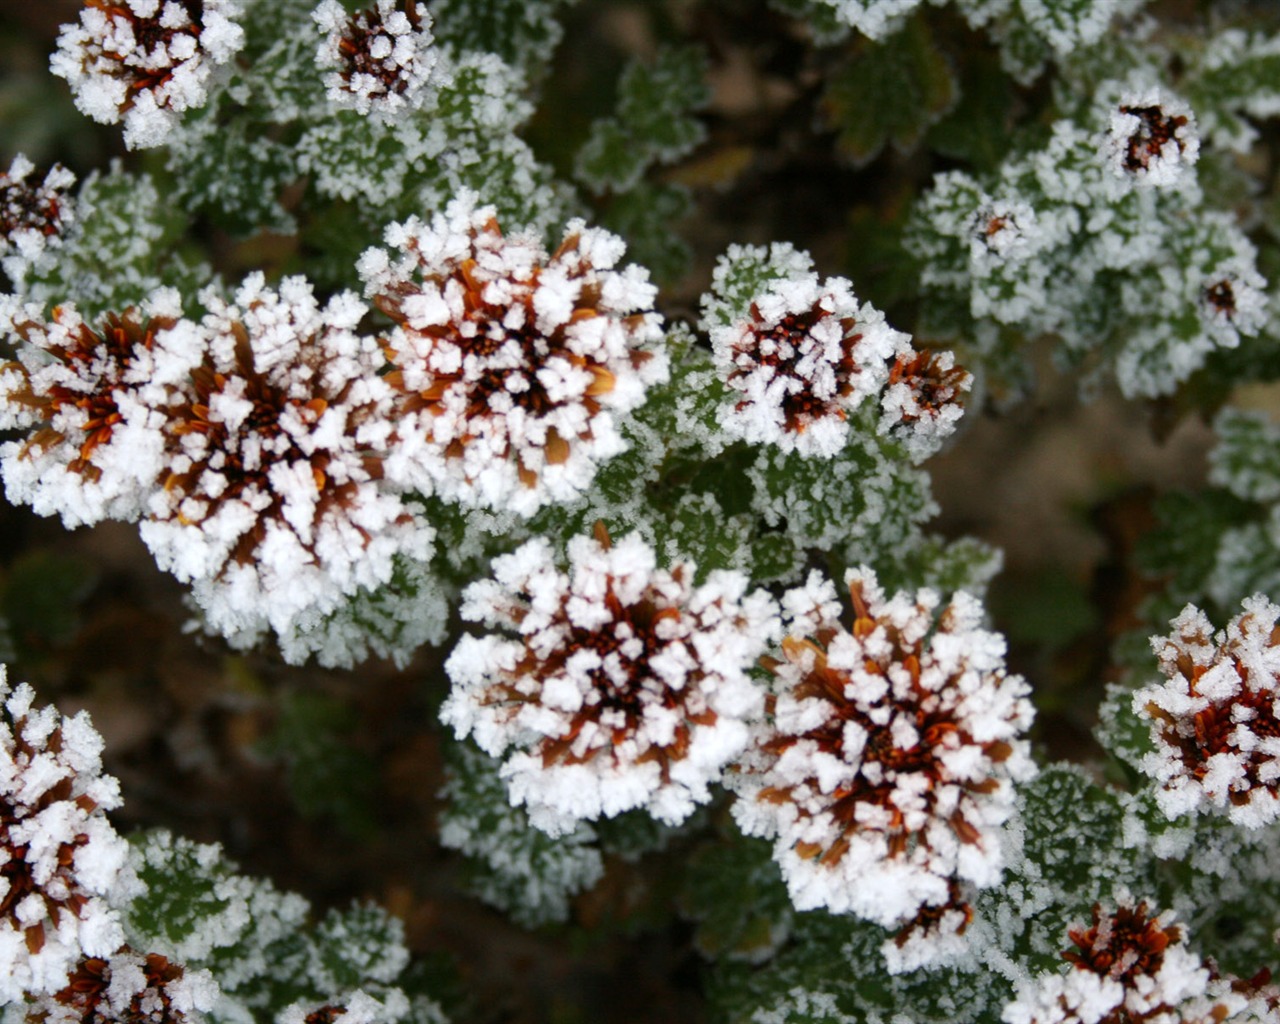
{"x": 89, "y": 394}
{"x": 804, "y": 356}
{"x": 63, "y": 861}
{"x": 1214, "y": 722}
{"x": 356, "y": 1007}
{"x": 512, "y": 366}
{"x": 33, "y": 218}
{"x": 624, "y": 685}
{"x": 272, "y": 504}
{"x": 381, "y": 58}
{"x": 1234, "y": 301}
{"x": 128, "y": 988}
{"x": 145, "y": 61}
{"x": 886, "y": 765}
{"x": 1129, "y": 966}
{"x": 935, "y": 936}
{"x": 921, "y": 401}
{"x": 1151, "y": 138}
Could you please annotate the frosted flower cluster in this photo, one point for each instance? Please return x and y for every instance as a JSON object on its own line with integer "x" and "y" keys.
{"x": 379, "y": 60}
{"x": 920, "y": 405}
{"x": 1152, "y": 138}
{"x": 128, "y": 988}
{"x": 611, "y": 685}
{"x": 1130, "y": 965}
{"x": 63, "y": 861}
{"x": 804, "y": 357}
{"x": 885, "y": 768}
{"x": 512, "y": 365}
{"x": 357, "y": 1007}
{"x": 1213, "y": 721}
{"x": 33, "y": 218}
{"x": 145, "y": 62}
{"x": 87, "y": 393}
{"x": 271, "y": 504}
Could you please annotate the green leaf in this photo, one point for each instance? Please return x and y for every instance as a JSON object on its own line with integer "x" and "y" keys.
{"x": 889, "y": 92}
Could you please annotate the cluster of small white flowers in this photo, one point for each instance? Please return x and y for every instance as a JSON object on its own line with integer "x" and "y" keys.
{"x": 1214, "y": 722}
{"x": 886, "y": 765}
{"x": 63, "y": 861}
{"x": 128, "y": 988}
{"x": 1151, "y": 140}
{"x": 272, "y": 506}
{"x": 511, "y": 365}
{"x": 33, "y": 218}
{"x": 804, "y": 357}
{"x": 90, "y": 395}
{"x": 381, "y": 59}
{"x": 625, "y": 685}
{"x": 145, "y": 61}
{"x": 1131, "y": 966}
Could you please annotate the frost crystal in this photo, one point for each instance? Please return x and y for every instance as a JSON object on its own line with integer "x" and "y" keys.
{"x": 1214, "y": 722}
{"x": 89, "y": 392}
{"x": 625, "y": 685}
{"x": 1151, "y": 139}
{"x": 803, "y": 357}
{"x": 885, "y": 768}
{"x": 356, "y": 1007}
{"x": 381, "y": 58}
{"x": 511, "y": 366}
{"x": 1129, "y": 966}
{"x": 63, "y": 860}
{"x": 272, "y": 505}
{"x": 921, "y": 401}
{"x": 128, "y": 988}
{"x": 33, "y": 218}
{"x": 145, "y": 61}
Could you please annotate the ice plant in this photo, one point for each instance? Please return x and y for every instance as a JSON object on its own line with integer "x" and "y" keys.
{"x": 511, "y": 366}
{"x": 885, "y": 768}
{"x": 378, "y": 60}
{"x": 799, "y": 362}
{"x": 60, "y": 859}
{"x": 145, "y": 62}
{"x": 1213, "y": 720}
{"x": 271, "y": 503}
{"x": 128, "y": 988}
{"x": 1130, "y": 965}
{"x": 89, "y": 394}
{"x": 32, "y": 217}
{"x": 611, "y": 685}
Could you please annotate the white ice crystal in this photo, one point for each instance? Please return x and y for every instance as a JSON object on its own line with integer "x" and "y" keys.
{"x": 92, "y": 395}
{"x": 146, "y": 62}
{"x": 512, "y": 366}
{"x": 1129, "y": 965}
{"x": 379, "y": 60}
{"x": 272, "y": 505}
{"x": 920, "y": 405}
{"x": 613, "y": 684}
{"x": 1151, "y": 138}
{"x": 64, "y": 863}
{"x": 33, "y": 218}
{"x": 802, "y": 358}
{"x": 128, "y": 986}
{"x": 886, "y": 765}
{"x": 1213, "y": 721}
{"x": 356, "y": 1007}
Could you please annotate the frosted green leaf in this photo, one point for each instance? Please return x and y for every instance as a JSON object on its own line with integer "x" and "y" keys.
{"x": 1232, "y": 79}
{"x": 648, "y": 217}
{"x": 735, "y": 896}
{"x": 1246, "y": 460}
{"x": 524, "y": 33}
{"x": 510, "y": 864}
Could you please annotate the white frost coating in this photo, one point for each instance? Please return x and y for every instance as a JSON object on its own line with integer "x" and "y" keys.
{"x": 356, "y": 1007}
{"x": 272, "y": 506}
{"x": 886, "y": 768}
{"x": 93, "y": 394}
{"x": 380, "y": 60}
{"x": 1214, "y": 721}
{"x": 145, "y": 62}
{"x": 1130, "y": 965}
{"x": 63, "y": 860}
{"x": 33, "y": 218}
{"x": 873, "y": 18}
{"x": 130, "y": 986}
{"x": 624, "y": 686}
{"x": 512, "y": 366}
{"x": 1151, "y": 140}
{"x": 803, "y": 357}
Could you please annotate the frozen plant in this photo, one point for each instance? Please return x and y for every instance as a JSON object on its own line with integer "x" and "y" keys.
{"x": 32, "y": 217}
{"x": 885, "y": 768}
{"x": 623, "y": 686}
